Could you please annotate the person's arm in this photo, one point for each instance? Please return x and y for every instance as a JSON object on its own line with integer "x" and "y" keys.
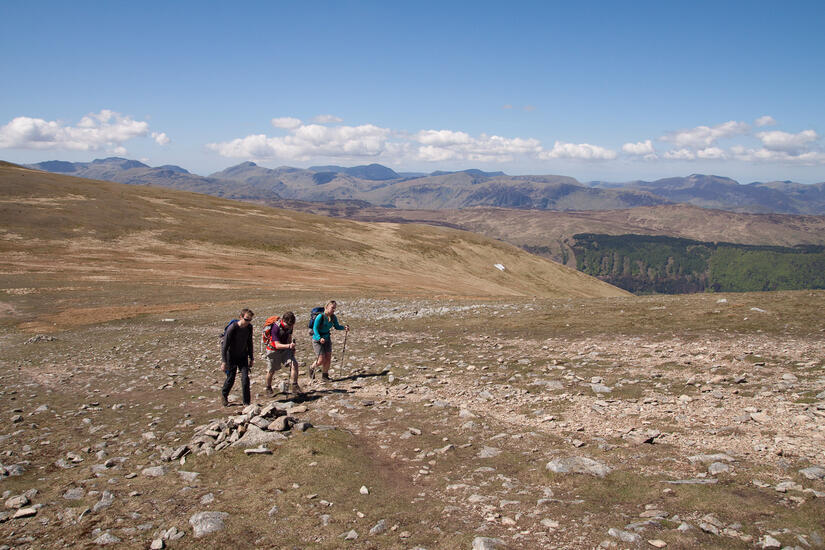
{"x": 250, "y": 347}
{"x": 227, "y": 338}
{"x": 337, "y": 325}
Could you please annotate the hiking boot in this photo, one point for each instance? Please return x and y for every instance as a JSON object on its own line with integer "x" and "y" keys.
{"x": 269, "y": 391}
{"x": 224, "y": 401}
{"x": 295, "y": 389}
{"x": 325, "y": 377}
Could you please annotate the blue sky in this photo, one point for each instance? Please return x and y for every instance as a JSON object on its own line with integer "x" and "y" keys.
{"x": 604, "y": 90}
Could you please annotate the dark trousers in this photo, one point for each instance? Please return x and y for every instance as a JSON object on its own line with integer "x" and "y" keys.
{"x": 230, "y": 381}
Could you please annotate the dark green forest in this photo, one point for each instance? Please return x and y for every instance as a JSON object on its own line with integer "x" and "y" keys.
{"x": 645, "y": 264}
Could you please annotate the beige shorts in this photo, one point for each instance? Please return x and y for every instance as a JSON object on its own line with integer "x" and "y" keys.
{"x": 280, "y": 357}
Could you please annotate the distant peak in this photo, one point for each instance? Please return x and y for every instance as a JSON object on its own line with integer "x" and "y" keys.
{"x": 121, "y": 162}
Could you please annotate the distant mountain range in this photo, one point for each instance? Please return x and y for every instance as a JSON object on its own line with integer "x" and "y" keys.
{"x": 382, "y": 186}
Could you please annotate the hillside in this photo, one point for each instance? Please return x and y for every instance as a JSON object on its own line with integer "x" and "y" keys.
{"x": 547, "y": 232}
{"x": 106, "y": 231}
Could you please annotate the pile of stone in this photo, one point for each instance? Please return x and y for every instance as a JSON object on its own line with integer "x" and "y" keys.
{"x": 255, "y": 425}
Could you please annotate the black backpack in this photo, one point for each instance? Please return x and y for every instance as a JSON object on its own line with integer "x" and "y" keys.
{"x": 316, "y": 311}
{"x": 226, "y": 329}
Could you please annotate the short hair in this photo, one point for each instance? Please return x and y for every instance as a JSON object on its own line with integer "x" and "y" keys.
{"x": 330, "y": 303}
{"x": 288, "y": 318}
{"x": 246, "y": 310}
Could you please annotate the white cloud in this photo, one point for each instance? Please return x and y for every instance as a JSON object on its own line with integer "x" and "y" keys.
{"x": 711, "y": 153}
{"x": 808, "y": 158}
{"x": 507, "y": 106}
{"x": 440, "y": 145}
{"x": 304, "y": 141}
{"x": 313, "y": 141}
{"x": 580, "y": 151}
{"x": 639, "y": 148}
{"x": 766, "y": 120}
{"x": 442, "y": 137}
{"x": 308, "y": 141}
{"x": 680, "y": 154}
{"x": 287, "y": 122}
{"x": 327, "y": 119}
{"x": 161, "y": 138}
{"x": 432, "y": 153}
{"x": 104, "y": 130}
{"x": 705, "y": 136}
{"x": 777, "y": 140}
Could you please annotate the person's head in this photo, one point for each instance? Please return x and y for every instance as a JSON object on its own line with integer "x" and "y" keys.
{"x": 329, "y": 309}
{"x": 245, "y": 317}
{"x": 288, "y": 319}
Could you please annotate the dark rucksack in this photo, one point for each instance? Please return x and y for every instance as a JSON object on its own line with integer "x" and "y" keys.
{"x": 316, "y": 311}
{"x": 226, "y": 329}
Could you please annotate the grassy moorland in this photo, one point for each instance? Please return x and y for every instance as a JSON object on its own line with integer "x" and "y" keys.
{"x": 705, "y": 412}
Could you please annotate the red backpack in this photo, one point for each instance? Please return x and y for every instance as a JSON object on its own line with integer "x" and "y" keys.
{"x": 266, "y": 335}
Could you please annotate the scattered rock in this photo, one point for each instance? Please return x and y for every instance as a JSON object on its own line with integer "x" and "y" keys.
{"x": 624, "y": 536}
{"x": 813, "y": 472}
{"x": 188, "y": 477}
{"x": 578, "y": 465}
{"x": 75, "y": 493}
{"x": 25, "y": 513}
{"x": 379, "y": 528}
{"x": 106, "y": 539}
{"x": 258, "y": 451}
{"x": 486, "y": 543}
{"x": 770, "y": 542}
{"x": 17, "y": 502}
{"x": 719, "y": 468}
{"x": 204, "y": 523}
{"x": 488, "y": 452}
{"x": 154, "y": 471}
{"x": 105, "y": 501}
{"x": 760, "y": 417}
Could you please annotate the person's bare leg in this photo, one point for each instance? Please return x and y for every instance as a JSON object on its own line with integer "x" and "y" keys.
{"x": 269, "y": 381}
{"x": 293, "y": 379}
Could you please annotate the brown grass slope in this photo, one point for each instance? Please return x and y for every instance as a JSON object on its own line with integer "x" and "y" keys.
{"x": 102, "y": 231}
{"x": 537, "y": 228}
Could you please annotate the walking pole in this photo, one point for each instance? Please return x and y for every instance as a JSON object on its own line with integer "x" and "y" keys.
{"x": 343, "y": 351}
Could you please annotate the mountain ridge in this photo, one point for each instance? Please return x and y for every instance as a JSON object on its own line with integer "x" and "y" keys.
{"x": 382, "y": 186}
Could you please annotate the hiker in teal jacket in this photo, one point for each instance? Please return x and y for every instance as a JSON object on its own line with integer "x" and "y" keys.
{"x": 321, "y": 342}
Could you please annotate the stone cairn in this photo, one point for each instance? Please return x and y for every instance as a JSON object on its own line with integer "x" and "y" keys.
{"x": 255, "y": 423}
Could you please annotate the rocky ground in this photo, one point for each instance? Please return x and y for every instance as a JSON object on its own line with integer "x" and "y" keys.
{"x": 678, "y": 422}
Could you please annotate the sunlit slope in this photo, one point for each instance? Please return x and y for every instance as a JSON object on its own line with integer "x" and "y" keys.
{"x": 94, "y": 230}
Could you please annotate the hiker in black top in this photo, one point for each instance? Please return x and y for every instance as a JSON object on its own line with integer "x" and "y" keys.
{"x": 237, "y": 354}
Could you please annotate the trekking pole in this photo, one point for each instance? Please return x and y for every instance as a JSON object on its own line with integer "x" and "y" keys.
{"x": 343, "y": 351}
